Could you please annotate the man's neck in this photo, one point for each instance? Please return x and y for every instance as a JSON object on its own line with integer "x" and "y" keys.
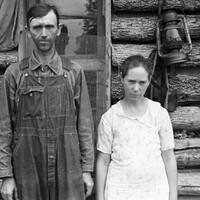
{"x": 44, "y": 57}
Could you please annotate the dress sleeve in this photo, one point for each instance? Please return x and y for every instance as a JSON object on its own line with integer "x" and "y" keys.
{"x": 105, "y": 135}
{"x": 166, "y": 132}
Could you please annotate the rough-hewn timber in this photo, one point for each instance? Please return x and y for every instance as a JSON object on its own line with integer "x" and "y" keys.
{"x": 187, "y": 143}
{"x": 188, "y": 182}
{"x": 188, "y": 158}
{"x": 8, "y": 57}
{"x": 121, "y": 51}
{"x": 142, "y": 28}
{"x": 149, "y": 5}
{"x": 186, "y": 117}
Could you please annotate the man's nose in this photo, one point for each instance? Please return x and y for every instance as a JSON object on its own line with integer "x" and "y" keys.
{"x": 44, "y": 32}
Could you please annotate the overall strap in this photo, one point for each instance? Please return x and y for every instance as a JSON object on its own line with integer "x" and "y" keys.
{"x": 66, "y": 63}
{"x": 24, "y": 63}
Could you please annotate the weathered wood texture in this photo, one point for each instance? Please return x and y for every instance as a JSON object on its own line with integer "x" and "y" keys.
{"x": 186, "y": 82}
{"x": 121, "y": 51}
{"x": 141, "y": 28}
{"x": 8, "y": 57}
{"x": 186, "y": 117}
{"x": 187, "y": 143}
{"x": 149, "y": 5}
{"x": 188, "y": 158}
{"x": 188, "y": 182}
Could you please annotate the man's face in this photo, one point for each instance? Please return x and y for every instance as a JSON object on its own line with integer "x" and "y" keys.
{"x": 43, "y": 31}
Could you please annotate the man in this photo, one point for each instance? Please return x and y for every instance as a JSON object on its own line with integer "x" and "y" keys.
{"x": 46, "y": 142}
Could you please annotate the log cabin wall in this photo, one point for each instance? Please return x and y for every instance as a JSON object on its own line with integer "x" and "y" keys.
{"x": 133, "y": 29}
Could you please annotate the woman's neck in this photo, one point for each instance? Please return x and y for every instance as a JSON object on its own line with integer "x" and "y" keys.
{"x": 135, "y": 108}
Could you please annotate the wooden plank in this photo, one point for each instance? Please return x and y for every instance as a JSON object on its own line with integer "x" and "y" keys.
{"x": 107, "y": 17}
{"x": 121, "y": 51}
{"x": 141, "y": 28}
{"x": 143, "y": 5}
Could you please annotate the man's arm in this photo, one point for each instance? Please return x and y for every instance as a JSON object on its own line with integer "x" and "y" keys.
{"x": 85, "y": 126}
{"x": 85, "y": 129}
{"x": 7, "y": 94}
{"x": 171, "y": 170}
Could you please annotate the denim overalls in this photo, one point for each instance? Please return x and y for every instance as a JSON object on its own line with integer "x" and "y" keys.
{"x": 46, "y": 155}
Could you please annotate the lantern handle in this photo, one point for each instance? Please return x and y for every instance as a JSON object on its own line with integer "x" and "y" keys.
{"x": 187, "y": 34}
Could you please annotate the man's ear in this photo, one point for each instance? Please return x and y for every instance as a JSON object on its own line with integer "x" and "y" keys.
{"x": 59, "y": 29}
{"x": 28, "y": 31}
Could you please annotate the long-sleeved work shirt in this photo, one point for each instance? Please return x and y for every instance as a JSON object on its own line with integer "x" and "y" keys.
{"x": 43, "y": 121}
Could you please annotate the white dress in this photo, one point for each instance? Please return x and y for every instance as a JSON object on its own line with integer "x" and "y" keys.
{"x": 136, "y": 171}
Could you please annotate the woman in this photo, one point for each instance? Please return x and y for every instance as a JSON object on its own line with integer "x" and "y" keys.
{"x": 135, "y": 143}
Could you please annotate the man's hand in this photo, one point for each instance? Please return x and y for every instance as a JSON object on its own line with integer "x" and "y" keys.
{"x": 87, "y": 179}
{"x": 9, "y": 189}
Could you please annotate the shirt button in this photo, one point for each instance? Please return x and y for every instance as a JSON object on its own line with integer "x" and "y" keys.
{"x": 51, "y": 157}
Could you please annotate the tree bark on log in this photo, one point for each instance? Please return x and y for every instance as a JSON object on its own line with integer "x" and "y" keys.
{"x": 186, "y": 83}
{"x": 141, "y": 28}
{"x": 188, "y": 158}
{"x": 144, "y": 5}
{"x": 188, "y": 182}
{"x": 122, "y": 51}
{"x": 187, "y": 143}
{"x": 8, "y": 57}
{"x": 186, "y": 118}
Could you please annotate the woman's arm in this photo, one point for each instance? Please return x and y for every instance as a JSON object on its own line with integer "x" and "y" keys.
{"x": 171, "y": 170}
{"x": 103, "y": 162}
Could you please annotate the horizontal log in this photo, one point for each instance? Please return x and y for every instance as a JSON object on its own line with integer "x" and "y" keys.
{"x": 186, "y": 83}
{"x": 144, "y": 5}
{"x": 187, "y": 143}
{"x": 188, "y": 197}
{"x": 188, "y": 158}
{"x": 122, "y": 51}
{"x": 188, "y": 182}
{"x": 8, "y": 57}
{"x": 186, "y": 118}
{"x": 142, "y": 29}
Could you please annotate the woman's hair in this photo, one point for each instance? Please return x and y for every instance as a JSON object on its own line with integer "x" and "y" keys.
{"x": 40, "y": 10}
{"x": 133, "y": 62}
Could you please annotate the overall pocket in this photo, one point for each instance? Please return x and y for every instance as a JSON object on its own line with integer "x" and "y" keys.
{"x": 32, "y": 102}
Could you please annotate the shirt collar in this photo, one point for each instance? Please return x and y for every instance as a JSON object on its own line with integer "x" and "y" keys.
{"x": 55, "y": 63}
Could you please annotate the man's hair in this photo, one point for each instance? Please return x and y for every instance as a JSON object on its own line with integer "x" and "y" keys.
{"x": 40, "y": 10}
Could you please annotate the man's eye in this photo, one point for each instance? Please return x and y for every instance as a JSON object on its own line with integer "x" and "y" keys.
{"x": 37, "y": 27}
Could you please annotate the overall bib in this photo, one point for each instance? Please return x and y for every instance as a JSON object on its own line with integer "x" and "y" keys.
{"x": 46, "y": 155}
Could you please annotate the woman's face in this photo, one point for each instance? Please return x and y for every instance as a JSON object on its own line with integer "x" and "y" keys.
{"x": 135, "y": 83}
